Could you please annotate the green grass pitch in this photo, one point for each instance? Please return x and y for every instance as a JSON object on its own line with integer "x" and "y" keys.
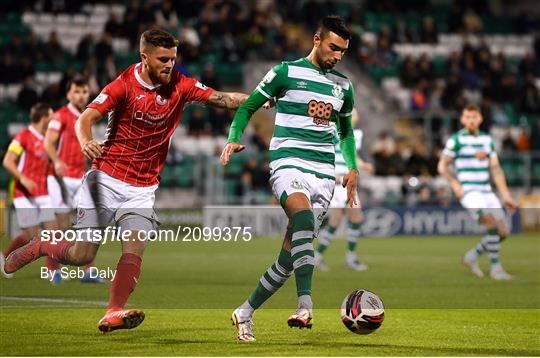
{"x": 434, "y": 306}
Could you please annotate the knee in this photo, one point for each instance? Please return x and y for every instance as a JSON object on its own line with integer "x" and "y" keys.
{"x": 489, "y": 221}
{"x": 82, "y": 255}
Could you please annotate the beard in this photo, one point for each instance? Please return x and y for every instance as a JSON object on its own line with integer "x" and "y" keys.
{"x": 159, "y": 77}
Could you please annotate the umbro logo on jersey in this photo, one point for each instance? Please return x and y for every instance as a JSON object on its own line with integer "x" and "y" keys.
{"x": 301, "y": 84}
{"x": 139, "y": 97}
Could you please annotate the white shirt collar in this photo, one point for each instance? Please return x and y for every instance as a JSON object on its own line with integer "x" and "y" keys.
{"x": 140, "y": 80}
{"x": 73, "y": 110}
{"x": 36, "y": 133}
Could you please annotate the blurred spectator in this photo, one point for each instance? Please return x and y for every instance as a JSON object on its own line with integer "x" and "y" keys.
{"x": 112, "y": 26}
{"x": 32, "y": 48}
{"x": 209, "y": 77}
{"x": 409, "y": 75}
{"x": 219, "y": 120}
{"x": 529, "y": 96}
{"x": 196, "y": 124}
{"x": 387, "y": 161}
{"x": 10, "y": 72}
{"x": 419, "y": 99}
{"x": 166, "y": 17}
{"x": 418, "y": 163}
{"x": 428, "y": 32}
{"x": 104, "y": 47}
{"x": 452, "y": 97}
{"x": 402, "y": 33}
{"x": 529, "y": 64}
{"x": 85, "y": 49}
{"x": 145, "y": 14}
{"x": 28, "y": 95}
{"x": 53, "y": 50}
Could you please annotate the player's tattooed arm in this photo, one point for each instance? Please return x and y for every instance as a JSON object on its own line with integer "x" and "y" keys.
{"x": 230, "y": 100}
{"x": 90, "y": 147}
{"x": 500, "y": 181}
{"x": 443, "y": 167}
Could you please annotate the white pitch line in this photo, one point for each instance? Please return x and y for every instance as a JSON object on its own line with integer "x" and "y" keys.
{"x": 52, "y": 300}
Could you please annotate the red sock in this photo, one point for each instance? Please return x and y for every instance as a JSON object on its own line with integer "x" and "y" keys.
{"x": 14, "y": 245}
{"x": 128, "y": 271}
{"x": 52, "y": 264}
{"x": 58, "y": 250}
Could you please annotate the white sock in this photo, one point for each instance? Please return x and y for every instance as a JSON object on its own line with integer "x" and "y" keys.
{"x": 305, "y": 301}
{"x": 245, "y": 310}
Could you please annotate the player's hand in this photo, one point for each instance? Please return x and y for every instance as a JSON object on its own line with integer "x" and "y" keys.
{"x": 349, "y": 182}
{"x": 60, "y": 168}
{"x": 92, "y": 149}
{"x": 510, "y": 204}
{"x": 28, "y": 183}
{"x": 229, "y": 149}
{"x": 367, "y": 167}
{"x": 458, "y": 190}
{"x": 269, "y": 104}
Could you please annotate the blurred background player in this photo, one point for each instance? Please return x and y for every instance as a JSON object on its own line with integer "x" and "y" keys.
{"x": 27, "y": 163}
{"x": 338, "y": 207}
{"x": 68, "y": 163}
{"x": 474, "y": 158}
{"x": 311, "y": 101}
{"x": 145, "y": 105}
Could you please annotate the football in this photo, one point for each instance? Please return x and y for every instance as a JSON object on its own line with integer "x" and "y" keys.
{"x": 362, "y": 312}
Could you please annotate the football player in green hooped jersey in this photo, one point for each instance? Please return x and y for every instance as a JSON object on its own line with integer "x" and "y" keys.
{"x": 312, "y": 101}
{"x": 474, "y": 158}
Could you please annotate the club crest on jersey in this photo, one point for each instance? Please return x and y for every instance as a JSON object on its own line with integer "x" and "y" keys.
{"x": 160, "y": 100}
{"x": 297, "y": 185}
{"x": 337, "y": 91}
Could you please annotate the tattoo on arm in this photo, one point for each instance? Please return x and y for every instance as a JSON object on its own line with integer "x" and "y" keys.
{"x": 230, "y": 100}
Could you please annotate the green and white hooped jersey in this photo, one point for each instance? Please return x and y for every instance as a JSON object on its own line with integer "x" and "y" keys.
{"x": 309, "y": 102}
{"x": 341, "y": 166}
{"x": 472, "y": 173}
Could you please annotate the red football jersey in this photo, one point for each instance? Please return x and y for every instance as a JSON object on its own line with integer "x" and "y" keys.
{"x": 68, "y": 149}
{"x": 33, "y": 161}
{"x": 142, "y": 119}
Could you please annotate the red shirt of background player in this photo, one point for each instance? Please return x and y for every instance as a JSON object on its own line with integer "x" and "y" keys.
{"x": 33, "y": 162}
{"x": 69, "y": 149}
{"x": 142, "y": 119}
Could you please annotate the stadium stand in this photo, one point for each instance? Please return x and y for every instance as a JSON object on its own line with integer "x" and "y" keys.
{"x": 427, "y": 60}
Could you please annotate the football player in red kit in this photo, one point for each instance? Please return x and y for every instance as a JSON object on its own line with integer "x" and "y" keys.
{"x": 144, "y": 106}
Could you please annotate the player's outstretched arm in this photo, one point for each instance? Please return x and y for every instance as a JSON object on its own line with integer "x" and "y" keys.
{"x": 443, "y": 167}
{"x": 90, "y": 147}
{"x": 500, "y": 182}
{"x": 230, "y": 100}
{"x": 239, "y": 124}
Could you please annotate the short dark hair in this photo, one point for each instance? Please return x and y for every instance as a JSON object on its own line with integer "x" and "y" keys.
{"x": 472, "y": 108}
{"x": 158, "y": 38}
{"x": 77, "y": 80}
{"x": 38, "y": 111}
{"x": 335, "y": 24}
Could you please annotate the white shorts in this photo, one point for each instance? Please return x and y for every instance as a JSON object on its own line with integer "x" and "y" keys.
{"x": 106, "y": 201}
{"x": 63, "y": 201}
{"x": 285, "y": 182}
{"x": 33, "y": 211}
{"x": 479, "y": 204}
{"x": 339, "y": 200}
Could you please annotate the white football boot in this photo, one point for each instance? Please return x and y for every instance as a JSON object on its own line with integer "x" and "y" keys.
{"x": 471, "y": 259}
{"x": 244, "y": 325}
{"x": 2, "y": 263}
{"x": 319, "y": 262}
{"x": 497, "y": 273}
{"x": 354, "y": 264}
